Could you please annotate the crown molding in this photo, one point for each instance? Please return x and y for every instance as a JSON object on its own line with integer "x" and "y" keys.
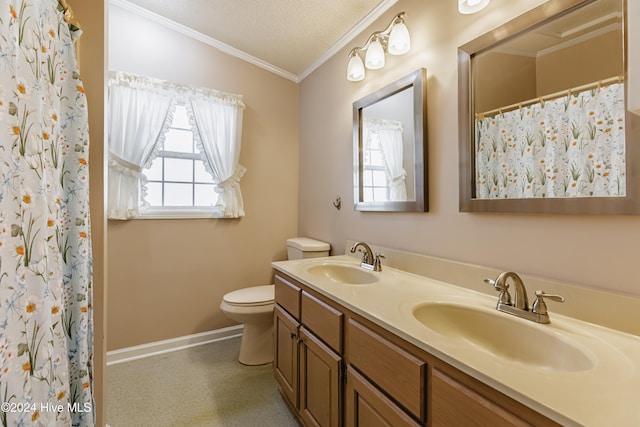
{"x": 369, "y": 19}
{"x": 196, "y": 35}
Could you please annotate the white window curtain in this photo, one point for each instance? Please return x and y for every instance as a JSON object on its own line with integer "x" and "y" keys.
{"x": 140, "y": 110}
{"x": 571, "y": 146}
{"x": 389, "y": 133}
{"x": 219, "y": 134}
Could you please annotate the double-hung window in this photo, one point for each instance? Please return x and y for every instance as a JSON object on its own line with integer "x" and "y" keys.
{"x": 183, "y": 167}
{"x": 374, "y": 177}
{"x": 178, "y": 183}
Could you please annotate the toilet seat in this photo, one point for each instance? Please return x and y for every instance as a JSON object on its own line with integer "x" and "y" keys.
{"x": 254, "y": 296}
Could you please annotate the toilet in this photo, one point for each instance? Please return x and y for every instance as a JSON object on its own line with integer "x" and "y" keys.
{"x": 253, "y": 306}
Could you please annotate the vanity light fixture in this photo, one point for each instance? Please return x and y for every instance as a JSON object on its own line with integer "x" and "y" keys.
{"x": 467, "y": 7}
{"x": 394, "y": 40}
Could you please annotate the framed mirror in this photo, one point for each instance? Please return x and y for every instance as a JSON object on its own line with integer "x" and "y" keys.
{"x": 543, "y": 118}
{"x": 390, "y": 147}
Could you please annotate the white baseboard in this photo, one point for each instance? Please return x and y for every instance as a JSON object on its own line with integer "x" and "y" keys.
{"x": 166, "y": 346}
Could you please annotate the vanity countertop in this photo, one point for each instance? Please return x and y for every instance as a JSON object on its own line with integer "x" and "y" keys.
{"x": 604, "y": 394}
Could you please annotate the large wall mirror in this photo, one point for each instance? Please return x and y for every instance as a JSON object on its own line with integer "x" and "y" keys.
{"x": 389, "y": 134}
{"x": 544, "y": 124}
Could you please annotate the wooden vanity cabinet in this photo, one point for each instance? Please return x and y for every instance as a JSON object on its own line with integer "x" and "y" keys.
{"x": 336, "y": 368}
{"x": 307, "y": 361}
{"x": 285, "y": 338}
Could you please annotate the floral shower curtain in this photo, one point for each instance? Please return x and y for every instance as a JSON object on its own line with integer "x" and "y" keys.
{"x": 46, "y": 341}
{"x": 567, "y": 147}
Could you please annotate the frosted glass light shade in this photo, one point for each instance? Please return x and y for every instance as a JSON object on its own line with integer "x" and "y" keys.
{"x": 471, "y": 6}
{"x": 399, "y": 40}
{"x": 355, "y": 69}
{"x": 374, "y": 59}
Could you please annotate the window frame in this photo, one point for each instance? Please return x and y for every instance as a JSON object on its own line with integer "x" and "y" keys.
{"x": 177, "y": 212}
{"x": 369, "y": 149}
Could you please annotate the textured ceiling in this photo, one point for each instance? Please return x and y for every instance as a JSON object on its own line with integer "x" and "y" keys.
{"x": 289, "y": 35}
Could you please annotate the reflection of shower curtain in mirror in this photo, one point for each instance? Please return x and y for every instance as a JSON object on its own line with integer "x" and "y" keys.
{"x": 389, "y": 134}
{"x": 572, "y": 146}
{"x": 46, "y": 341}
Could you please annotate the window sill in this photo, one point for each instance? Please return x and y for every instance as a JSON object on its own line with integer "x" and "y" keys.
{"x": 178, "y": 213}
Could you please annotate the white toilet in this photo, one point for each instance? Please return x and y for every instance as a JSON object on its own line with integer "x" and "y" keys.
{"x": 253, "y": 306}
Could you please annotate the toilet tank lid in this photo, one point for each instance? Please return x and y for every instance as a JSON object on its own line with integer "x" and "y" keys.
{"x": 307, "y": 244}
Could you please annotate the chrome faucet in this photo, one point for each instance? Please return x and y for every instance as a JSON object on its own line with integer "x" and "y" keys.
{"x": 368, "y": 260}
{"x": 520, "y": 307}
{"x": 520, "y": 294}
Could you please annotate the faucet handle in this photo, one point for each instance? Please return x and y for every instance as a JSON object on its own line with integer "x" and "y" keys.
{"x": 377, "y": 265}
{"x": 491, "y": 282}
{"x": 539, "y": 306}
{"x": 505, "y": 296}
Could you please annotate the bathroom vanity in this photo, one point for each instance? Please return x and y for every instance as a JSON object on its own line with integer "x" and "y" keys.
{"x": 353, "y": 347}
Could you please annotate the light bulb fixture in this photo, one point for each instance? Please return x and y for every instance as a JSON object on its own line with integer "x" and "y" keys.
{"x": 394, "y": 40}
{"x": 399, "y": 40}
{"x": 374, "y": 59}
{"x": 355, "y": 69}
{"x": 467, "y": 7}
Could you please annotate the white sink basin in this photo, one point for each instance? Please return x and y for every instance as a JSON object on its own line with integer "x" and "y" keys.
{"x": 345, "y": 274}
{"x": 505, "y": 336}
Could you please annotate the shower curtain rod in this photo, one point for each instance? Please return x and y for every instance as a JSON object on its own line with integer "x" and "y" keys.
{"x": 560, "y": 94}
{"x": 68, "y": 14}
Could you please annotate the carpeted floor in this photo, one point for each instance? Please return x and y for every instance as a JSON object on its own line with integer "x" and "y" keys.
{"x": 197, "y": 387}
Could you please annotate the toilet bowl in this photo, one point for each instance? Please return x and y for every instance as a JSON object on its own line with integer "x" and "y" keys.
{"x": 253, "y": 306}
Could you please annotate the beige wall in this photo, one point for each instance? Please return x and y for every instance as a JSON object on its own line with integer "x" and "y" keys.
{"x": 167, "y": 277}
{"x": 503, "y": 79}
{"x": 92, "y": 60}
{"x": 593, "y": 251}
{"x": 592, "y": 60}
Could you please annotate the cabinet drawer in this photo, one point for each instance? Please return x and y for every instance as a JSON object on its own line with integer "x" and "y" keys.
{"x": 399, "y": 374}
{"x": 456, "y": 404}
{"x": 366, "y": 406}
{"x": 287, "y": 295}
{"x": 323, "y": 320}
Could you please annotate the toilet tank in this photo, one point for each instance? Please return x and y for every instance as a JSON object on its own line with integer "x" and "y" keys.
{"x": 304, "y": 247}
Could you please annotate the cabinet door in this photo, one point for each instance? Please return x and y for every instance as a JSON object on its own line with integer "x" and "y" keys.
{"x": 366, "y": 406}
{"x": 320, "y": 398}
{"x": 285, "y": 358}
{"x": 454, "y": 404}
